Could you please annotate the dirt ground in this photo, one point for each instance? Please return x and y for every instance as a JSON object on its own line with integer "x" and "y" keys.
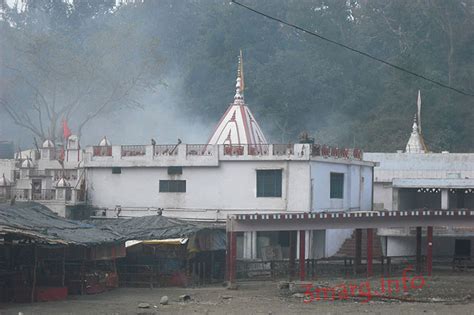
{"x": 450, "y": 294}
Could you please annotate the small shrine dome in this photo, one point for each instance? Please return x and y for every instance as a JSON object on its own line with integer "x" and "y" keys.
{"x": 104, "y": 142}
{"x": 28, "y": 163}
{"x": 48, "y": 144}
{"x": 62, "y": 182}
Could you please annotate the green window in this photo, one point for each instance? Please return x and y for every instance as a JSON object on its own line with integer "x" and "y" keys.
{"x": 268, "y": 183}
{"x": 337, "y": 186}
{"x": 116, "y": 170}
{"x": 172, "y": 186}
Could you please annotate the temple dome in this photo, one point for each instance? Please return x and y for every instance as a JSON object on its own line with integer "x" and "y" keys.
{"x": 62, "y": 182}
{"x": 104, "y": 142}
{"x": 238, "y": 125}
{"x": 28, "y": 163}
{"x": 48, "y": 144}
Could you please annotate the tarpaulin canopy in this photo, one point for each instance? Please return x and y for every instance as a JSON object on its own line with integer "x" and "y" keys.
{"x": 33, "y": 220}
{"x": 158, "y": 227}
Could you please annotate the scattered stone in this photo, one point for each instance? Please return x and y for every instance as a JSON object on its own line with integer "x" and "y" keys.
{"x": 283, "y": 285}
{"x": 226, "y": 297}
{"x": 144, "y": 305}
{"x": 300, "y": 286}
{"x": 184, "y": 298}
{"x": 164, "y": 300}
{"x": 298, "y": 295}
{"x": 232, "y": 286}
{"x": 467, "y": 297}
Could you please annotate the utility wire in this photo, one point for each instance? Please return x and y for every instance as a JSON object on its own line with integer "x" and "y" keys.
{"x": 353, "y": 50}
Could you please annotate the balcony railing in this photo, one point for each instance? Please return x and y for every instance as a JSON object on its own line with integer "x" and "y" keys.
{"x": 39, "y": 173}
{"x": 20, "y": 194}
{"x": 44, "y": 194}
{"x": 133, "y": 150}
{"x": 283, "y": 149}
{"x": 233, "y": 149}
{"x": 102, "y": 150}
{"x": 258, "y": 149}
{"x": 166, "y": 150}
{"x": 198, "y": 149}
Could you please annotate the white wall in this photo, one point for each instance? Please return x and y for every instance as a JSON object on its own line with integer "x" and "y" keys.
{"x": 357, "y": 187}
{"x": 406, "y": 246}
{"x": 230, "y": 186}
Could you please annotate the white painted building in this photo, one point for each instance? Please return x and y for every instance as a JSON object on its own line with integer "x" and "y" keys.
{"x": 418, "y": 178}
{"x": 50, "y": 175}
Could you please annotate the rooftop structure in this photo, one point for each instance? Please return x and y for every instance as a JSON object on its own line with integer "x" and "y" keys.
{"x": 238, "y": 125}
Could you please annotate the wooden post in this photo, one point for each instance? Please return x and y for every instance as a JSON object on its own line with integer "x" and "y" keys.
{"x": 292, "y": 254}
{"x": 302, "y": 255}
{"x": 429, "y": 250}
{"x": 33, "y": 285}
{"x": 370, "y": 243}
{"x": 358, "y": 250}
{"x": 63, "y": 280}
{"x": 232, "y": 257}
{"x": 418, "y": 249}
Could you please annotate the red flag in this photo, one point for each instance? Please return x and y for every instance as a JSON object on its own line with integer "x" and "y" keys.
{"x": 66, "y": 131}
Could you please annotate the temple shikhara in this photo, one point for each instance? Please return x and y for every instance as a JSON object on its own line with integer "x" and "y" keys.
{"x": 238, "y": 125}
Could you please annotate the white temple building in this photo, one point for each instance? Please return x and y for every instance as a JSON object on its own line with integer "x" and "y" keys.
{"x": 417, "y": 178}
{"x": 237, "y": 172}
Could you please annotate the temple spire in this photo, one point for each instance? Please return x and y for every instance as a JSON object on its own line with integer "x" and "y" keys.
{"x": 239, "y": 85}
{"x": 418, "y": 104}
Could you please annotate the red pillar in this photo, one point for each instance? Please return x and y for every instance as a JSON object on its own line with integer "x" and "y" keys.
{"x": 429, "y": 250}
{"x": 232, "y": 256}
{"x": 358, "y": 250}
{"x": 302, "y": 255}
{"x": 370, "y": 243}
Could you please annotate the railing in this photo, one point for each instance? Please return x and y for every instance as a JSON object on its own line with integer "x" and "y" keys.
{"x": 102, "y": 150}
{"x": 166, "y": 150}
{"x": 199, "y": 149}
{"x": 258, "y": 149}
{"x": 233, "y": 149}
{"x": 20, "y": 194}
{"x": 327, "y": 151}
{"x": 39, "y": 173}
{"x": 67, "y": 174}
{"x": 44, "y": 194}
{"x": 283, "y": 149}
{"x": 133, "y": 150}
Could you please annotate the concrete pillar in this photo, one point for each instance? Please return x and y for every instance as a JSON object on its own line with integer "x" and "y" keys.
{"x": 429, "y": 250}
{"x": 418, "y": 249}
{"x": 370, "y": 243}
{"x": 395, "y": 199}
{"x": 232, "y": 255}
{"x": 247, "y": 245}
{"x": 302, "y": 258}
{"x": 444, "y": 199}
{"x": 254, "y": 245}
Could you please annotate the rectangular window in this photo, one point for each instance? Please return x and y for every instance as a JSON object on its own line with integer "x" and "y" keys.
{"x": 116, "y": 170}
{"x": 175, "y": 170}
{"x": 269, "y": 183}
{"x": 172, "y": 186}
{"x": 337, "y": 186}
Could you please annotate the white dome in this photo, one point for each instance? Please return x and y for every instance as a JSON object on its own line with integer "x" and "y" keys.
{"x": 48, "y": 144}
{"x": 62, "y": 183}
{"x": 4, "y": 181}
{"x": 104, "y": 142}
{"x": 28, "y": 163}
